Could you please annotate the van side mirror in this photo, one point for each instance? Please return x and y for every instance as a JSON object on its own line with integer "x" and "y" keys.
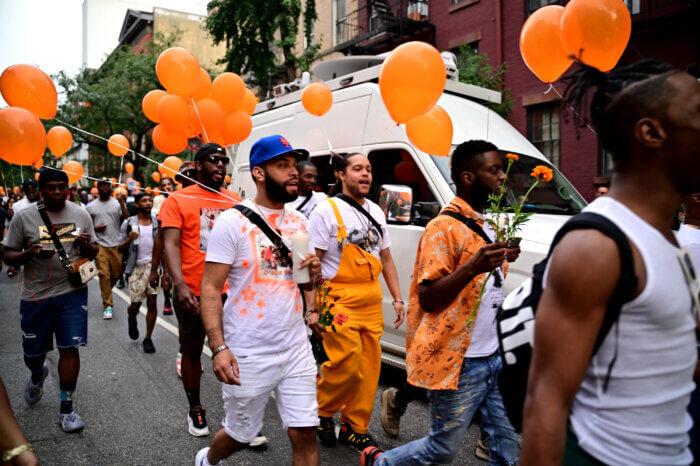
{"x": 396, "y": 202}
{"x": 423, "y": 212}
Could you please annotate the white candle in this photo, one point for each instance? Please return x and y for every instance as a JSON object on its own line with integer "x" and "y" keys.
{"x": 300, "y": 249}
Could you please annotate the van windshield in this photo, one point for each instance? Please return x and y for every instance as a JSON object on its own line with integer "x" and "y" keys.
{"x": 556, "y": 197}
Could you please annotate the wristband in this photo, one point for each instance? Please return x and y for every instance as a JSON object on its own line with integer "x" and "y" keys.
{"x": 310, "y": 311}
{"x": 218, "y": 350}
{"x": 398, "y": 301}
{"x": 15, "y": 452}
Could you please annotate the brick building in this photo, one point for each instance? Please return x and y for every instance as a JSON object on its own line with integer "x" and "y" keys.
{"x": 664, "y": 29}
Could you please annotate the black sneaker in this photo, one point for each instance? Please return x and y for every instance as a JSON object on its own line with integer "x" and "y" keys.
{"x": 148, "y": 346}
{"x": 359, "y": 442}
{"x": 120, "y": 283}
{"x": 197, "y": 422}
{"x": 133, "y": 328}
{"x": 326, "y": 431}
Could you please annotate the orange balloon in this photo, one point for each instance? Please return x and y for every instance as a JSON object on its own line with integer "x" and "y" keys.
{"x": 28, "y": 87}
{"x": 431, "y": 132}
{"x": 540, "y": 44}
{"x": 22, "y": 136}
{"x": 138, "y": 184}
{"x": 217, "y": 138}
{"x": 407, "y": 172}
{"x": 15, "y": 190}
{"x": 411, "y": 80}
{"x": 317, "y": 99}
{"x": 39, "y": 163}
{"x": 206, "y": 116}
{"x": 228, "y": 90}
{"x": 59, "y": 140}
{"x": 113, "y": 180}
{"x": 118, "y": 145}
{"x": 249, "y": 102}
{"x": 237, "y": 126}
{"x": 596, "y": 32}
{"x": 148, "y": 190}
{"x": 203, "y": 87}
{"x": 74, "y": 170}
{"x": 173, "y": 111}
{"x": 129, "y": 167}
{"x": 156, "y": 177}
{"x": 227, "y": 179}
{"x": 169, "y": 141}
{"x": 36, "y": 176}
{"x": 178, "y": 71}
{"x": 150, "y": 103}
{"x": 170, "y": 166}
{"x": 94, "y": 191}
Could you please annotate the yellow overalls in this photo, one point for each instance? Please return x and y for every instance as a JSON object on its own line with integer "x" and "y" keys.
{"x": 349, "y": 378}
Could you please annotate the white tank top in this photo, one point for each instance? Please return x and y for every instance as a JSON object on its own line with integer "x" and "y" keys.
{"x": 642, "y": 418}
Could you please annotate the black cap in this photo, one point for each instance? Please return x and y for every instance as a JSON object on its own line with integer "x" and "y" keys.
{"x": 47, "y": 175}
{"x": 104, "y": 180}
{"x": 29, "y": 183}
{"x": 207, "y": 149}
{"x": 139, "y": 195}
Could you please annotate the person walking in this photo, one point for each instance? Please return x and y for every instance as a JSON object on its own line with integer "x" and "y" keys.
{"x": 51, "y": 304}
{"x": 308, "y": 197}
{"x": 627, "y": 403}
{"x": 349, "y": 235}
{"x": 187, "y": 218}
{"x": 258, "y": 338}
{"x": 107, "y": 215}
{"x": 137, "y": 236}
{"x": 452, "y": 345}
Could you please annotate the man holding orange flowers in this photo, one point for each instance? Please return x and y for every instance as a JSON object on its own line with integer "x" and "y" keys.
{"x": 451, "y": 343}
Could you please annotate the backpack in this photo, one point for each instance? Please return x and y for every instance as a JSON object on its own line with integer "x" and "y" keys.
{"x": 515, "y": 321}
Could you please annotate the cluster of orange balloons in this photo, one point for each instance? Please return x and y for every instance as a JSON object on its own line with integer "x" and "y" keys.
{"x": 194, "y": 106}
{"x": 593, "y": 32}
{"x": 411, "y": 82}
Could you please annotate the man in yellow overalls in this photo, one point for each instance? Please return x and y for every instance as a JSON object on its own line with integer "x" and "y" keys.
{"x": 349, "y": 235}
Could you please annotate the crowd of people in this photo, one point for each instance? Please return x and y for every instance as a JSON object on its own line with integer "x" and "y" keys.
{"x": 229, "y": 266}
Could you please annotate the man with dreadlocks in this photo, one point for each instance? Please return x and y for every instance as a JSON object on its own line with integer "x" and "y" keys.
{"x": 648, "y": 116}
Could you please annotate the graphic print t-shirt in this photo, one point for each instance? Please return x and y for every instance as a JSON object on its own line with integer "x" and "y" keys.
{"x": 323, "y": 231}
{"x": 110, "y": 213}
{"x": 44, "y": 278}
{"x": 263, "y": 311}
{"x": 194, "y": 211}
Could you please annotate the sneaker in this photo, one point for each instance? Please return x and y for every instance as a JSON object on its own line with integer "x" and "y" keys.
{"x": 33, "y": 392}
{"x": 197, "y": 422}
{"x": 259, "y": 443}
{"x": 148, "y": 346}
{"x": 70, "y": 422}
{"x": 108, "y": 313}
{"x": 133, "y": 327}
{"x": 391, "y": 412}
{"x": 167, "y": 310}
{"x": 370, "y": 455}
{"x": 482, "y": 450}
{"x": 326, "y": 431}
{"x": 199, "y": 460}
{"x": 349, "y": 437}
{"x": 178, "y": 364}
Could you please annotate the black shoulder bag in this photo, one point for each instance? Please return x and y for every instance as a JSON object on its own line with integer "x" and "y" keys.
{"x": 359, "y": 208}
{"x": 259, "y": 222}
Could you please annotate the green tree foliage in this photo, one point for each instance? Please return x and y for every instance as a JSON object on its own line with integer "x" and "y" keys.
{"x": 474, "y": 68}
{"x": 253, "y": 30}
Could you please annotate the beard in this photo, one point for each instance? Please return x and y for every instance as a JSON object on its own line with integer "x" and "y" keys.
{"x": 278, "y": 191}
{"x": 480, "y": 194}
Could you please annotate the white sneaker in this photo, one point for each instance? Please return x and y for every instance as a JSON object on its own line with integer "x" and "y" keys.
{"x": 258, "y": 443}
{"x": 70, "y": 422}
{"x": 201, "y": 458}
{"x": 197, "y": 422}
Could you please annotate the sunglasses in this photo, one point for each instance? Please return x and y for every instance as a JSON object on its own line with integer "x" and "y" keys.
{"x": 216, "y": 159}
{"x": 691, "y": 279}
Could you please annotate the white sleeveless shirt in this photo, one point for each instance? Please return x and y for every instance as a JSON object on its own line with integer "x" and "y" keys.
{"x": 642, "y": 418}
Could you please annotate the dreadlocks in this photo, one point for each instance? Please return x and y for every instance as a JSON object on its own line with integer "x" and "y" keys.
{"x": 621, "y": 98}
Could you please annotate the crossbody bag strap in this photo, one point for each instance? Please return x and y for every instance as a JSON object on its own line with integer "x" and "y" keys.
{"x": 359, "y": 208}
{"x": 259, "y": 222}
{"x": 342, "y": 232}
{"x": 306, "y": 201}
{"x": 52, "y": 232}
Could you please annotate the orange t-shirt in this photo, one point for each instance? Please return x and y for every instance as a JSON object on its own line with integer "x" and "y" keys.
{"x": 194, "y": 210}
{"x": 437, "y": 341}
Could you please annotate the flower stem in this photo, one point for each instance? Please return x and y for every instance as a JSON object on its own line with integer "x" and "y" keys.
{"x": 478, "y": 300}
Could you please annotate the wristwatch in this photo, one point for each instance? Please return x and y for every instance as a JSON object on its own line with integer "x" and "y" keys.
{"x": 218, "y": 350}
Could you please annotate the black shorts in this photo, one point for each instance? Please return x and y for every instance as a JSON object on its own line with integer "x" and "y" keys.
{"x": 189, "y": 323}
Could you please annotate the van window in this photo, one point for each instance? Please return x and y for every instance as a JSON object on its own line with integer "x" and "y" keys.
{"x": 396, "y": 166}
{"x": 555, "y": 197}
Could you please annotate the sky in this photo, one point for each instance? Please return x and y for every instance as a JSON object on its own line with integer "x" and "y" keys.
{"x": 48, "y": 33}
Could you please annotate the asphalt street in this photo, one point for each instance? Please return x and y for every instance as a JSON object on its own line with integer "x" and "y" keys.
{"x": 135, "y": 408}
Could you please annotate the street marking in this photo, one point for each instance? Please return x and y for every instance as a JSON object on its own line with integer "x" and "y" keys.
{"x": 159, "y": 320}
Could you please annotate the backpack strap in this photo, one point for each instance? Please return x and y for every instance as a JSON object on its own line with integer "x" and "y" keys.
{"x": 259, "y": 222}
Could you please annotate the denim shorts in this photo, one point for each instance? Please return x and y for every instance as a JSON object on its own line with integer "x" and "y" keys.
{"x": 64, "y": 316}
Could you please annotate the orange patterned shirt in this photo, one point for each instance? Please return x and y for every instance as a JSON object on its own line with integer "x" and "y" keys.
{"x": 437, "y": 341}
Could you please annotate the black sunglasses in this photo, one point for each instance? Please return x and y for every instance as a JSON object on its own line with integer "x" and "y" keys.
{"x": 216, "y": 159}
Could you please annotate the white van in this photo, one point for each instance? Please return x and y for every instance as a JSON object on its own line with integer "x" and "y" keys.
{"x": 359, "y": 122}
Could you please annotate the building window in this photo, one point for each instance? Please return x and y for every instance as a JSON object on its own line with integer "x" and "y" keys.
{"x": 633, "y": 5}
{"x": 340, "y": 31}
{"x": 543, "y": 130}
{"x": 605, "y": 162}
{"x": 533, "y": 5}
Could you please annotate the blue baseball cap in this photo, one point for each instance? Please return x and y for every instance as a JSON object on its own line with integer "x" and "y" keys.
{"x": 270, "y": 147}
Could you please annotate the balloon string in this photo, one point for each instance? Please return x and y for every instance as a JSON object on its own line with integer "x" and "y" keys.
{"x": 203, "y": 186}
{"x": 196, "y": 110}
{"x": 561, "y": 97}
{"x": 2, "y": 172}
{"x": 21, "y": 173}
{"x": 121, "y": 166}
{"x": 135, "y": 187}
{"x": 551, "y": 88}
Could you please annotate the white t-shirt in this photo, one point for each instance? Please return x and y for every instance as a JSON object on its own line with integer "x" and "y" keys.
{"x": 323, "y": 232}
{"x": 689, "y": 238}
{"x": 21, "y": 205}
{"x": 145, "y": 248}
{"x": 263, "y": 312}
{"x": 309, "y": 206}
